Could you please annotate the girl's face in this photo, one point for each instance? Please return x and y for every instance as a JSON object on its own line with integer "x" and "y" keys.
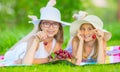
{"x": 87, "y": 31}
{"x": 50, "y": 27}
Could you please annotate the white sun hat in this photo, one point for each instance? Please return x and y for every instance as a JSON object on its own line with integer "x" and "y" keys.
{"x": 49, "y": 13}
{"x": 92, "y": 19}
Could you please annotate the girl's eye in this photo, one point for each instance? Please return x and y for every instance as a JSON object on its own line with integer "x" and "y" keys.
{"x": 90, "y": 28}
{"x": 82, "y": 29}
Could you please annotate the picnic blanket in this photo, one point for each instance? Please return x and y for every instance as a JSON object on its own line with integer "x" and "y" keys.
{"x": 112, "y": 56}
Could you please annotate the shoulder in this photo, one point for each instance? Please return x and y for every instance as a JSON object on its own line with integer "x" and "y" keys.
{"x": 58, "y": 46}
{"x": 24, "y": 44}
{"x": 75, "y": 39}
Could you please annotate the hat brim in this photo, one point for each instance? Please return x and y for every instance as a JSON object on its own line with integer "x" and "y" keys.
{"x": 76, "y": 25}
{"x": 38, "y": 21}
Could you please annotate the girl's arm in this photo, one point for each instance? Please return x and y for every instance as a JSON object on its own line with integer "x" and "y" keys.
{"x": 101, "y": 51}
{"x": 74, "y": 47}
{"x": 101, "y": 46}
{"x": 40, "y": 60}
{"x": 57, "y": 47}
{"x": 79, "y": 52}
{"x": 32, "y": 47}
{"x": 77, "y": 47}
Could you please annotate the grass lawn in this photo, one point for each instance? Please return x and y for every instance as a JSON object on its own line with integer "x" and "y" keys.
{"x": 63, "y": 66}
{"x": 10, "y": 35}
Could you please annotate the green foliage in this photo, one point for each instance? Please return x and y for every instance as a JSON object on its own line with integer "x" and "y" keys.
{"x": 16, "y": 11}
{"x": 107, "y": 14}
{"x": 113, "y": 27}
{"x": 10, "y": 35}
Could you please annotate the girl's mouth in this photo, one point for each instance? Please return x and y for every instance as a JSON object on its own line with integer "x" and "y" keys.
{"x": 87, "y": 36}
{"x": 50, "y": 32}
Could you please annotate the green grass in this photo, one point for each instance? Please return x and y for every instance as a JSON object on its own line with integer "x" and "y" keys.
{"x": 63, "y": 66}
{"x": 10, "y": 35}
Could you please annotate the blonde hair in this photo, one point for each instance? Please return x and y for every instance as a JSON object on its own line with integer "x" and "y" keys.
{"x": 94, "y": 56}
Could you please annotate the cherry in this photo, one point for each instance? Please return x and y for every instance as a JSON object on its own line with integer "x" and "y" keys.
{"x": 94, "y": 36}
{"x": 60, "y": 50}
{"x": 45, "y": 43}
{"x": 55, "y": 52}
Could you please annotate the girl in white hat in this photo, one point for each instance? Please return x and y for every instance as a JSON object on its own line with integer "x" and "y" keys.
{"x": 89, "y": 39}
{"x": 46, "y": 37}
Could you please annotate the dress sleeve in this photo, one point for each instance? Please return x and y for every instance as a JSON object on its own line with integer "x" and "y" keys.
{"x": 17, "y": 53}
{"x": 69, "y": 46}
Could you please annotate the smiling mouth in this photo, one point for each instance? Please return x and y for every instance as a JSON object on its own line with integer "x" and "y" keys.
{"x": 87, "y": 36}
{"x": 50, "y": 32}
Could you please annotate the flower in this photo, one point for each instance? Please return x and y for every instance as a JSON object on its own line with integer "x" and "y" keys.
{"x": 1, "y": 57}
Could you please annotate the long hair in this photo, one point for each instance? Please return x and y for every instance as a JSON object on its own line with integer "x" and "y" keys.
{"x": 94, "y": 56}
{"x": 59, "y": 36}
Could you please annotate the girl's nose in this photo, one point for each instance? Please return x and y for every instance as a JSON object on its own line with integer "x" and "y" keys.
{"x": 86, "y": 32}
{"x": 51, "y": 26}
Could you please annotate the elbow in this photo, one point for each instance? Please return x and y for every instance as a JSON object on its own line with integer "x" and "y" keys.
{"x": 26, "y": 62}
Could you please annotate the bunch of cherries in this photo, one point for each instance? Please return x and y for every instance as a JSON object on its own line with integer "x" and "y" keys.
{"x": 62, "y": 54}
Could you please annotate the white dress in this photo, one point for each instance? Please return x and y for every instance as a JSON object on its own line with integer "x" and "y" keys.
{"x": 20, "y": 50}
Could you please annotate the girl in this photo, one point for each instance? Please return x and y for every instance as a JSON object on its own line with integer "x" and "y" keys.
{"x": 46, "y": 37}
{"x": 89, "y": 40}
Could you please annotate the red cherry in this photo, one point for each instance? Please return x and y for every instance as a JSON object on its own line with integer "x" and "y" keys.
{"x": 61, "y": 54}
{"x": 60, "y": 50}
{"x": 45, "y": 43}
{"x": 65, "y": 51}
{"x": 94, "y": 36}
{"x": 69, "y": 56}
{"x": 55, "y": 52}
{"x": 59, "y": 57}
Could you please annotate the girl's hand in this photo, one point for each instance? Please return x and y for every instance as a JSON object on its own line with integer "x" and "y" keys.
{"x": 41, "y": 35}
{"x": 99, "y": 34}
{"x": 80, "y": 35}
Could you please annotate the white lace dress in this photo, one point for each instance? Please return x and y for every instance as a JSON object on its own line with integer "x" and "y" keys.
{"x": 18, "y": 53}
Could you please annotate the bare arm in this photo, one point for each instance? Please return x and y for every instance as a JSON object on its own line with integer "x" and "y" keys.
{"x": 101, "y": 52}
{"x": 74, "y": 47}
{"x": 77, "y": 47}
{"x": 79, "y": 52}
{"x": 57, "y": 47}
{"x": 32, "y": 47}
{"x": 40, "y": 60}
{"x": 101, "y": 46}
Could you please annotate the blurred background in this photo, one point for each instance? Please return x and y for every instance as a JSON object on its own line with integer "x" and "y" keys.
{"x": 14, "y": 17}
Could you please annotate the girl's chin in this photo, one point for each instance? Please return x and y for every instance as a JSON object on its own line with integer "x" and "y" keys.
{"x": 51, "y": 35}
{"x": 87, "y": 40}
